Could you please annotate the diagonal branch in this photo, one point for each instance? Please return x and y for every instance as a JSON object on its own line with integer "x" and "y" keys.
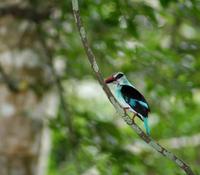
{"x": 120, "y": 110}
{"x": 66, "y": 113}
{"x": 64, "y": 106}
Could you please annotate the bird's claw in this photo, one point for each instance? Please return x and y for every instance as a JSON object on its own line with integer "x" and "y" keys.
{"x": 126, "y": 108}
{"x": 134, "y": 115}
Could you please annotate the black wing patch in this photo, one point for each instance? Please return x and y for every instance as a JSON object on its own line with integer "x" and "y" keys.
{"x": 129, "y": 93}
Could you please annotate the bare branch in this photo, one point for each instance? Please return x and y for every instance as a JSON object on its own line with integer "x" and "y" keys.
{"x": 64, "y": 105}
{"x": 174, "y": 143}
{"x": 137, "y": 129}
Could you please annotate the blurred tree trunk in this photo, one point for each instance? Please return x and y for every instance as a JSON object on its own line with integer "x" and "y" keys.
{"x": 24, "y": 97}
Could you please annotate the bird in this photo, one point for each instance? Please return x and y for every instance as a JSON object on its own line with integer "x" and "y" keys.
{"x": 129, "y": 97}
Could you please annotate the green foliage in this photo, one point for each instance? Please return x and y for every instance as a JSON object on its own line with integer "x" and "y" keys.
{"x": 157, "y": 46}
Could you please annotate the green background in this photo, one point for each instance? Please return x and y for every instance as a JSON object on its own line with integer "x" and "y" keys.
{"x": 157, "y": 45}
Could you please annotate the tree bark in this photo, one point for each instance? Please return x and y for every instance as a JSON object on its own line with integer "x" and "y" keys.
{"x": 23, "y": 109}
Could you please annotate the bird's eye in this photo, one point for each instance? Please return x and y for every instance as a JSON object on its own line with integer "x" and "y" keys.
{"x": 119, "y": 75}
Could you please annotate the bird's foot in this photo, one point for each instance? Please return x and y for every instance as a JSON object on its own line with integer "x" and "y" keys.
{"x": 126, "y": 109}
{"x": 134, "y": 115}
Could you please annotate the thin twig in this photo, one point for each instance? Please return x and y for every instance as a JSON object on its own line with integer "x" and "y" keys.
{"x": 121, "y": 111}
{"x": 63, "y": 102}
{"x": 58, "y": 83}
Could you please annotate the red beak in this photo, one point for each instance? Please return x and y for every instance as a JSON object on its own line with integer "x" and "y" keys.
{"x": 109, "y": 79}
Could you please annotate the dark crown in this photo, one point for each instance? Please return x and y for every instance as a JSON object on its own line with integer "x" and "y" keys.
{"x": 119, "y": 75}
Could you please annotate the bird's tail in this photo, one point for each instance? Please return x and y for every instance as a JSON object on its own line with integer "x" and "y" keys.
{"x": 146, "y": 125}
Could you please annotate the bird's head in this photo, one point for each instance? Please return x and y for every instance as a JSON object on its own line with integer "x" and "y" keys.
{"x": 117, "y": 78}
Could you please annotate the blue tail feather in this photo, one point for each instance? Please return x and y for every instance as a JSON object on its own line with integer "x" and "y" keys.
{"x": 146, "y": 125}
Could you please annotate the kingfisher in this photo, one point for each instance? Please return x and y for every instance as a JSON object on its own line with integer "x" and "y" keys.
{"x": 130, "y": 98}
